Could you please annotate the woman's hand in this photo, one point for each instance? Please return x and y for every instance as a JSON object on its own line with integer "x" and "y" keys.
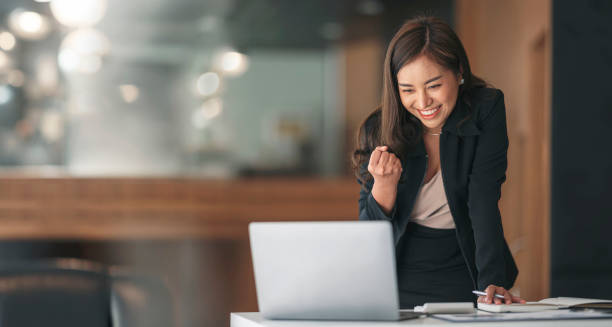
{"x": 386, "y": 169}
{"x": 491, "y": 290}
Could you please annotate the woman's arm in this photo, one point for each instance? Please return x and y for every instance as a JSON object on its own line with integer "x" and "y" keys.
{"x": 377, "y": 200}
{"x": 484, "y": 189}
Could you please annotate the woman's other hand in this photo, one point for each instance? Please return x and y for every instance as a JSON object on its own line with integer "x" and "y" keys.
{"x": 384, "y": 166}
{"x": 491, "y": 290}
{"x": 386, "y": 170}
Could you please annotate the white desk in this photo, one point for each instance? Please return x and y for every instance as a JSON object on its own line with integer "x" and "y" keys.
{"x": 253, "y": 319}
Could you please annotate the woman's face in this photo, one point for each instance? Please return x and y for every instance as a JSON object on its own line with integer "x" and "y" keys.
{"x": 428, "y": 91}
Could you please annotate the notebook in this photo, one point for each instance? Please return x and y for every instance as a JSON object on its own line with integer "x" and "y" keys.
{"x": 547, "y": 304}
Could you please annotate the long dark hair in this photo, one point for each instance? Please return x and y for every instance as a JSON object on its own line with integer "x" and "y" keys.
{"x": 390, "y": 124}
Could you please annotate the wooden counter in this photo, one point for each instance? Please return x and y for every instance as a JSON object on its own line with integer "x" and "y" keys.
{"x": 155, "y": 208}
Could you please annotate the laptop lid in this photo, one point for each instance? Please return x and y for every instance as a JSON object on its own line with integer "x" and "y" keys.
{"x": 325, "y": 270}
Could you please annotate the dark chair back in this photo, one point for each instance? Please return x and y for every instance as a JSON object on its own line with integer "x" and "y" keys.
{"x": 61, "y": 292}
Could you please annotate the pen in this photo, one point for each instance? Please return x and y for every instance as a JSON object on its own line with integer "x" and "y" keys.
{"x": 485, "y": 294}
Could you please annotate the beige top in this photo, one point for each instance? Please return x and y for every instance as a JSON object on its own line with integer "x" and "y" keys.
{"x": 431, "y": 207}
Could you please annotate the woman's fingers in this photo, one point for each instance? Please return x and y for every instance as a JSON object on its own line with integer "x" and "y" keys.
{"x": 507, "y": 295}
{"x": 376, "y": 154}
{"x": 384, "y": 163}
{"x": 374, "y": 158}
{"x": 502, "y": 291}
{"x": 392, "y": 164}
{"x": 516, "y": 299}
{"x": 491, "y": 290}
{"x": 397, "y": 165}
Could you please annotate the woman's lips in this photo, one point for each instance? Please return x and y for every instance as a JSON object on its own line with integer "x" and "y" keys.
{"x": 430, "y": 113}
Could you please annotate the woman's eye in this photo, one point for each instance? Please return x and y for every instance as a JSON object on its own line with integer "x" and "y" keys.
{"x": 435, "y": 86}
{"x": 407, "y": 91}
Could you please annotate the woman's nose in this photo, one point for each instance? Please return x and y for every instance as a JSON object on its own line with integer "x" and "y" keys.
{"x": 423, "y": 101}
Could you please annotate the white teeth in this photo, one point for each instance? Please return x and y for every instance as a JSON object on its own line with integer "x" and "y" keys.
{"x": 430, "y": 112}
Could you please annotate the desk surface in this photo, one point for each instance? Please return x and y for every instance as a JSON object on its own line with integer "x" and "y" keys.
{"x": 253, "y": 319}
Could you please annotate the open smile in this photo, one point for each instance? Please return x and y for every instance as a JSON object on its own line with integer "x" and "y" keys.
{"x": 430, "y": 113}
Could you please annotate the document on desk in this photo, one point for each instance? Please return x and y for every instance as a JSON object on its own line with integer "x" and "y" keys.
{"x": 547, "y": 304}
{"x": 562, "y": 314}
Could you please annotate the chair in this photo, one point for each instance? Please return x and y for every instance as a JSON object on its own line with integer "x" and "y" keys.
{"x": 74, "y": 292}
{"x": 59, "y": 292}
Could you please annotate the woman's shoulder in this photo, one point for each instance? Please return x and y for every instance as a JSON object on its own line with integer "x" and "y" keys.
{"x": 486, "y": 101}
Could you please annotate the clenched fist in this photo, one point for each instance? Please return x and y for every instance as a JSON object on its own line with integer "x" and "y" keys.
{"x": 386, "y": 169}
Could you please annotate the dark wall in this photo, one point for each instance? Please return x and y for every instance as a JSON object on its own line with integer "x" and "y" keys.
{"x": 581, "y": 216}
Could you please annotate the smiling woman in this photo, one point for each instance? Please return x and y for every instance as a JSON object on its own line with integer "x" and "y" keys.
{"x": 431, "y": 160}
{"x": 430, "y": 99}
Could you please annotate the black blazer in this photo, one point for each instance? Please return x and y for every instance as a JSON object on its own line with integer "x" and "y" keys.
{"x": 473, "y": 159}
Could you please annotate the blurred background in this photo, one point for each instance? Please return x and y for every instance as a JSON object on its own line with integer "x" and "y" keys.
{"x": 139, "y": 138}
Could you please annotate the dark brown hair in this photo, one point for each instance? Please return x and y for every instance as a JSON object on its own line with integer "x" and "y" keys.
{"x": 390, "y": 124}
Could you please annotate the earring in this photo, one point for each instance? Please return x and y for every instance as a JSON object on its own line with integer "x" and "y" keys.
{"x": 462, "y": 81}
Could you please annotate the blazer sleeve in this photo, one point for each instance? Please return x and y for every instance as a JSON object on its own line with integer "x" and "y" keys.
{"x": 369, "y": 209}
{"x": 484, "y": 189}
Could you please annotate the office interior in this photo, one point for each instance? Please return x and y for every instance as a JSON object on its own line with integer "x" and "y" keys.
{"x": 139, "y": 138}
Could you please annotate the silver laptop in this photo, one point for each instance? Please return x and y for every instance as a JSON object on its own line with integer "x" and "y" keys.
{"x": 325, "y": 270}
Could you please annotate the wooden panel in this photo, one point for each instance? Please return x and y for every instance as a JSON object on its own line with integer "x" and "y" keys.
{"x": 362, "y": 78}
{"x": 508, "y": 45}
{"x": 536, "y": 178}
{"x": 160, "y": 208}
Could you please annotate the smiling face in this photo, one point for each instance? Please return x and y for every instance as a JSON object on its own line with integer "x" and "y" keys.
{"x": 428, "y": 91}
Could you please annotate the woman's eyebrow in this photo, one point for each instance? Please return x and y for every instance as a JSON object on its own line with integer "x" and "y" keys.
{"x": 427, "y": 82}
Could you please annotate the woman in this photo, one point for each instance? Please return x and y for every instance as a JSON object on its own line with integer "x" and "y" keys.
{"x": 431, "y": 160}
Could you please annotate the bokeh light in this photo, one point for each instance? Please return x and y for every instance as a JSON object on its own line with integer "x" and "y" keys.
{"x": 210, "y": 109}
{"x": 208, "y": 83}
{"x": 129, "y": 92}
{"x": 78, "y": 13}
{"x": 29, "y": 25}
{"x": 232, "y": 63}
{"x": 5, "y": 61}
{"x": 82, "y": 51}
{"x": 6, "y": 94}
{"x": 7, "y": 41}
